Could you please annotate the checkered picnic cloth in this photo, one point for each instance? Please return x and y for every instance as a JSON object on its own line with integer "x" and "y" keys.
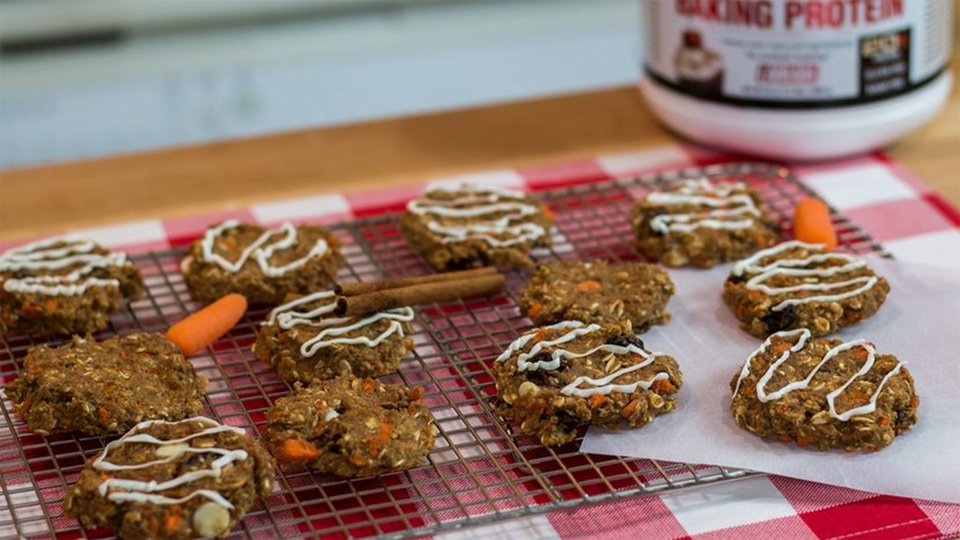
{"x": 911, "y": 221}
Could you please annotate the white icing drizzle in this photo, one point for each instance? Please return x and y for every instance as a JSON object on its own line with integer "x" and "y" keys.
{"x": 720, "y": 199}
{"x": 796, "y": 267}
{"x": 603, "y": 385}
{"x": 140, "y": 491}
{"x": 260, "y": 249}
{"x": 804, "y": 335}
{"x": 286, "y": 317}
{"x": 489, "y": 201}
{"x": 37, "y": 256}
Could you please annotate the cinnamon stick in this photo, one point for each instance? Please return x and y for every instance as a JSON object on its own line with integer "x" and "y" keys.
{"x": 423, "y": 293}
{"x": 353, "y": 289}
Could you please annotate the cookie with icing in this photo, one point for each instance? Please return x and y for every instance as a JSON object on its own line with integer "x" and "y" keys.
{"x": 264, "y": 265}
{"x": 598, "y": 292}
{"x": 351, "y": 427}
{"x": 305, "y": 341}
{"x": 555, "y": 378}
{"x": 800, "y": 285}
{"x": 105, "y": 387}
{"x": 702, "y": 224}
{"x": 824, "y": 393}
{"x": 471, "y": 226}
{"x": 64, "y": 286}
{"x": 194, "y": 478}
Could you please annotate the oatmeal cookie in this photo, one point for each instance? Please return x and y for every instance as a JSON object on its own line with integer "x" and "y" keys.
{"x": 799, "y": 285}
{"x": 472, "y": 226}
{"x": 64, "y": 286}
{"x": 823, "y": 393}
{"x": 305, "y": 342}
{"x": 557, "y": 377}
{"x": 264, "y": 265}
{"x": 598, "y": 292}
{"x": 188, "y": 479}
{"x": 702, "y": 224}
{"x": 351, "y": 427}
{"x": 98, "y": 388}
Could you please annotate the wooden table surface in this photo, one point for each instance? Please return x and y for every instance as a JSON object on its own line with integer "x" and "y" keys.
{"x": 228, "y": 174}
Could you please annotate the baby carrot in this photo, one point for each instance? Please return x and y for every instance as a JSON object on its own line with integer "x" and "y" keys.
{"x": 202, "y": 328}
{"x": 811, "y": 223}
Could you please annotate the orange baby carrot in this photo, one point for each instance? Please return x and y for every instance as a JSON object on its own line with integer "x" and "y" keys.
{"x": 202, "y": 328}
{"x": 811, "y": 223}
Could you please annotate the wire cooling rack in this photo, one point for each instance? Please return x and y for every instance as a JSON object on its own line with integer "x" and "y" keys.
{"x": 482, "y": 468}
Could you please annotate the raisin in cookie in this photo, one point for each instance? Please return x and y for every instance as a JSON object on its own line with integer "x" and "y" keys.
{"x": 598, "y": 292}
{"x": 64, "y": 286}
{"x": 264, "y": 265}
{"x": 823, "y": 393}
{"x": 187, "y": 479}
{"x": 557, "y": 377}
{"x": 351, "y": 427}
{"x": 305, "y": 342}
{"x": 702, "y": 224}
{"x": 471, "y": 226}
{"x": 800, "y": 285}
{"x": 98, "y": 388}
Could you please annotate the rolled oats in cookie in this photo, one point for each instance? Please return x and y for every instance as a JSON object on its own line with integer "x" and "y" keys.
{"x": 187, "y": 479}
{"x": 471, "y": 226}
{"x": 555, "y": 378}
{"x": 702, "y": 224}
{"x": 599, "y": 292}
{"x": 305, "y": 341}
{"x": 351, "y": 427}
{"x": 98, "y": 388}
{"x": 64, "y": 286}
{"x": 264, "y": 265}
{"x": 823, "y": 393}
{"x": 800, "y": 285}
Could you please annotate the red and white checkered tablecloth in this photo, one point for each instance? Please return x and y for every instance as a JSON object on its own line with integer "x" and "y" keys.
{"x": 889, "y": 202}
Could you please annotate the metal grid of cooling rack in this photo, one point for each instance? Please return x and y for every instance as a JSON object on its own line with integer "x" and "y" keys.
{"x": 481, "y": 469}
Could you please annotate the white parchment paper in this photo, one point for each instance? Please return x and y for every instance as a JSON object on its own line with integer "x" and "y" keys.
{"x": 919, "y": 323}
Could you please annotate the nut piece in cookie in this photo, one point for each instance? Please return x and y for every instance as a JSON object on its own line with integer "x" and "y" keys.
{"x": 598, "y": 292}
{"x": 264, "y": 265}
{"x": 702, "y": 224}
{"x": 823, "y": 393}
{"x": 471, "y": 226}
{"x": 64, "y": 286}
{"x": 305, "y": 342}
{"x": 351, "y": 427}
{"x": 187, "y": 479}
{"x": 800, "y": 285}
{"x": 97, "y": 388}
{"x": 557, "y": 377}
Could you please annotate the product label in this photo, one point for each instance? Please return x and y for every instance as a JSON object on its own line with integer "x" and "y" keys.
{"x": 796, "y": 53}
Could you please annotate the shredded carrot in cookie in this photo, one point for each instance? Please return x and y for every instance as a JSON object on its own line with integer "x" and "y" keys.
{"x": 296, "y": 450}
{"x": 535, "y": 309}
{"x": 630, "y": 408}
{"x": 588, "y": 285}
{"x": 664, "y": 385}
{"x": 597, "y": 400}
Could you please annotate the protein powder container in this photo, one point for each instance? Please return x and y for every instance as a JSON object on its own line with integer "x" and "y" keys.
{"x": 796, "y": 79}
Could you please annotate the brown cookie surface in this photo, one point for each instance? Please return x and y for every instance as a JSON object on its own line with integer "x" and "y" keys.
{"x": 555, "y": 378}
{"x": 598, "y": 292}
{"x": 471, "y": 226}
{"x": 305, "y": 341}
{"x": 64, "y": 286}
{"x": 264, "y": 265}
{"x": 800, "y": 285}
{"x": 351, "y": 427}
{"x": 702, "y": 224}
{"x": 98, "y": 388}
{"x": 823, "y": 393}
{"x": 187, "y": 479}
